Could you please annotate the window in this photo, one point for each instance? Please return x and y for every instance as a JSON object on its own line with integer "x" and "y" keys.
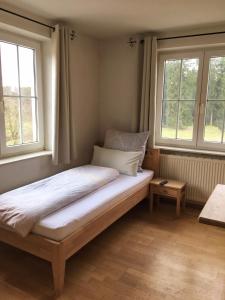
{"x": 191, "y": 100}
{"x": 20, "y": 96}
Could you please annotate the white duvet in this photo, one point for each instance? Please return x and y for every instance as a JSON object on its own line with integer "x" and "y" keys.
{"x": 22, "y": 208}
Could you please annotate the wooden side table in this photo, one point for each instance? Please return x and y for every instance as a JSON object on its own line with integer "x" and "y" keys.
{"x": 172, "y": 189}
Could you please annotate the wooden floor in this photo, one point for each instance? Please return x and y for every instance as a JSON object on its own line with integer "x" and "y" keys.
{"x": 138, "y": 257}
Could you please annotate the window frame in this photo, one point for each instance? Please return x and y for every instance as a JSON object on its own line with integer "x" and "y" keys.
{"x": 204, "y": 54}
{"x": 34, "y": 146}
{"x": 201, "y": 144}
{"x": 162, "y": 58}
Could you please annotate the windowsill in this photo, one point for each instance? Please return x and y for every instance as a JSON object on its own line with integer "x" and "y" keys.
{"x": 9, "y": 160}
{"x": 192, "y": 151}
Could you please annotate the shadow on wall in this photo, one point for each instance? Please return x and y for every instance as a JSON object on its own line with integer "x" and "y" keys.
{"x": 120, "y": 85}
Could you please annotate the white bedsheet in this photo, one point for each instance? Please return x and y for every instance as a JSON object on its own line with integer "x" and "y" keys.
{"x": 71, "y": 218}
{"x": 22, "y": 208}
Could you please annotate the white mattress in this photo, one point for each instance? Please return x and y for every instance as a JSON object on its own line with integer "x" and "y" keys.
{"x": 71, "y": 218}
{"x": 22, "y": 208}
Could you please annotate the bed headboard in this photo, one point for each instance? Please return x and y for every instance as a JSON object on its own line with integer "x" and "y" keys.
{"x": 151, "y": 161}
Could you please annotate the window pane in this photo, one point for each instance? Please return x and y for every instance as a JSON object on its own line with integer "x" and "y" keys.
{"x": 216, "y": 84}
{"x": 214, "y": 120}
{"x": 186, "y": 120}
{"x": 189, "y": 76}
{"x": 171, "y": 79}
{"x": 26, "y": 67}
{"x": 29, "y": 128}
{"x": 12, "y": 121}
{"x": 9, "y": 69}
{"x": 169, "y": 119}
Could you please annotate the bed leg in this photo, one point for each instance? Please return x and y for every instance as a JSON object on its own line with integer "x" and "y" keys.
{"x": 58, "y": 269}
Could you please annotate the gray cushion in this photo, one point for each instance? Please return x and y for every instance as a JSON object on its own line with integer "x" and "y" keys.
{"x": 127, "y": 141}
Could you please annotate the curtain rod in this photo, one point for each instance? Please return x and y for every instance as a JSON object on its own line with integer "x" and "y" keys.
{"x": 27, "y": 18}
{"x": 190, "y": 35}
{"x": 187, "y": 36}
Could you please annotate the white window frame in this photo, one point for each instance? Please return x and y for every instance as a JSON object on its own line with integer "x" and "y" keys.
{"x": 35, "y": 146}
{"x": 203, "y": 101}
{"x": 198, "y": 143}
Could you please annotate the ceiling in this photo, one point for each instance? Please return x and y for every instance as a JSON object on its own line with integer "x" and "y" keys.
{"x": 109, "y": 18}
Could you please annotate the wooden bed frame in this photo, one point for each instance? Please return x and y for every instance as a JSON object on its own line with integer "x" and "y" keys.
{"x": 58, "y": 252}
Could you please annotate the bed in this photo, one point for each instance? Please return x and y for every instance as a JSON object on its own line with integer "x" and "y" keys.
{"x": 59, "y": 235}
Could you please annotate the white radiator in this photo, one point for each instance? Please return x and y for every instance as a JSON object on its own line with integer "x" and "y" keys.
{"x": 201, "y": 174}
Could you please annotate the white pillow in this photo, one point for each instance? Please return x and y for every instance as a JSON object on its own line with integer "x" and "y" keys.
{"x": 125, "y": 162}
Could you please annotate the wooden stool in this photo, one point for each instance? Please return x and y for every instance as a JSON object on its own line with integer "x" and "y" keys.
{"x": 172, "y": 189}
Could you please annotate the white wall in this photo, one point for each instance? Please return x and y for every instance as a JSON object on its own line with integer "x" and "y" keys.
{"x": 85, "y": 117}
{"x": 85, "y": 96}
{"x": 119, "y": 85}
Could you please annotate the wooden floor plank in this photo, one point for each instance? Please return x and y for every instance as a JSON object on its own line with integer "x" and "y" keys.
{"x": 140, "y": 257}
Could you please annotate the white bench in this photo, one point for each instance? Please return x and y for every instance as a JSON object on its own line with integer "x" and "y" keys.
{"x": 213, "y": 212}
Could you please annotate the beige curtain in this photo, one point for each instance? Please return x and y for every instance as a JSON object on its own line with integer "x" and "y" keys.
{"x": 148, "y": 94}
{"x": 61, "y": 101}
